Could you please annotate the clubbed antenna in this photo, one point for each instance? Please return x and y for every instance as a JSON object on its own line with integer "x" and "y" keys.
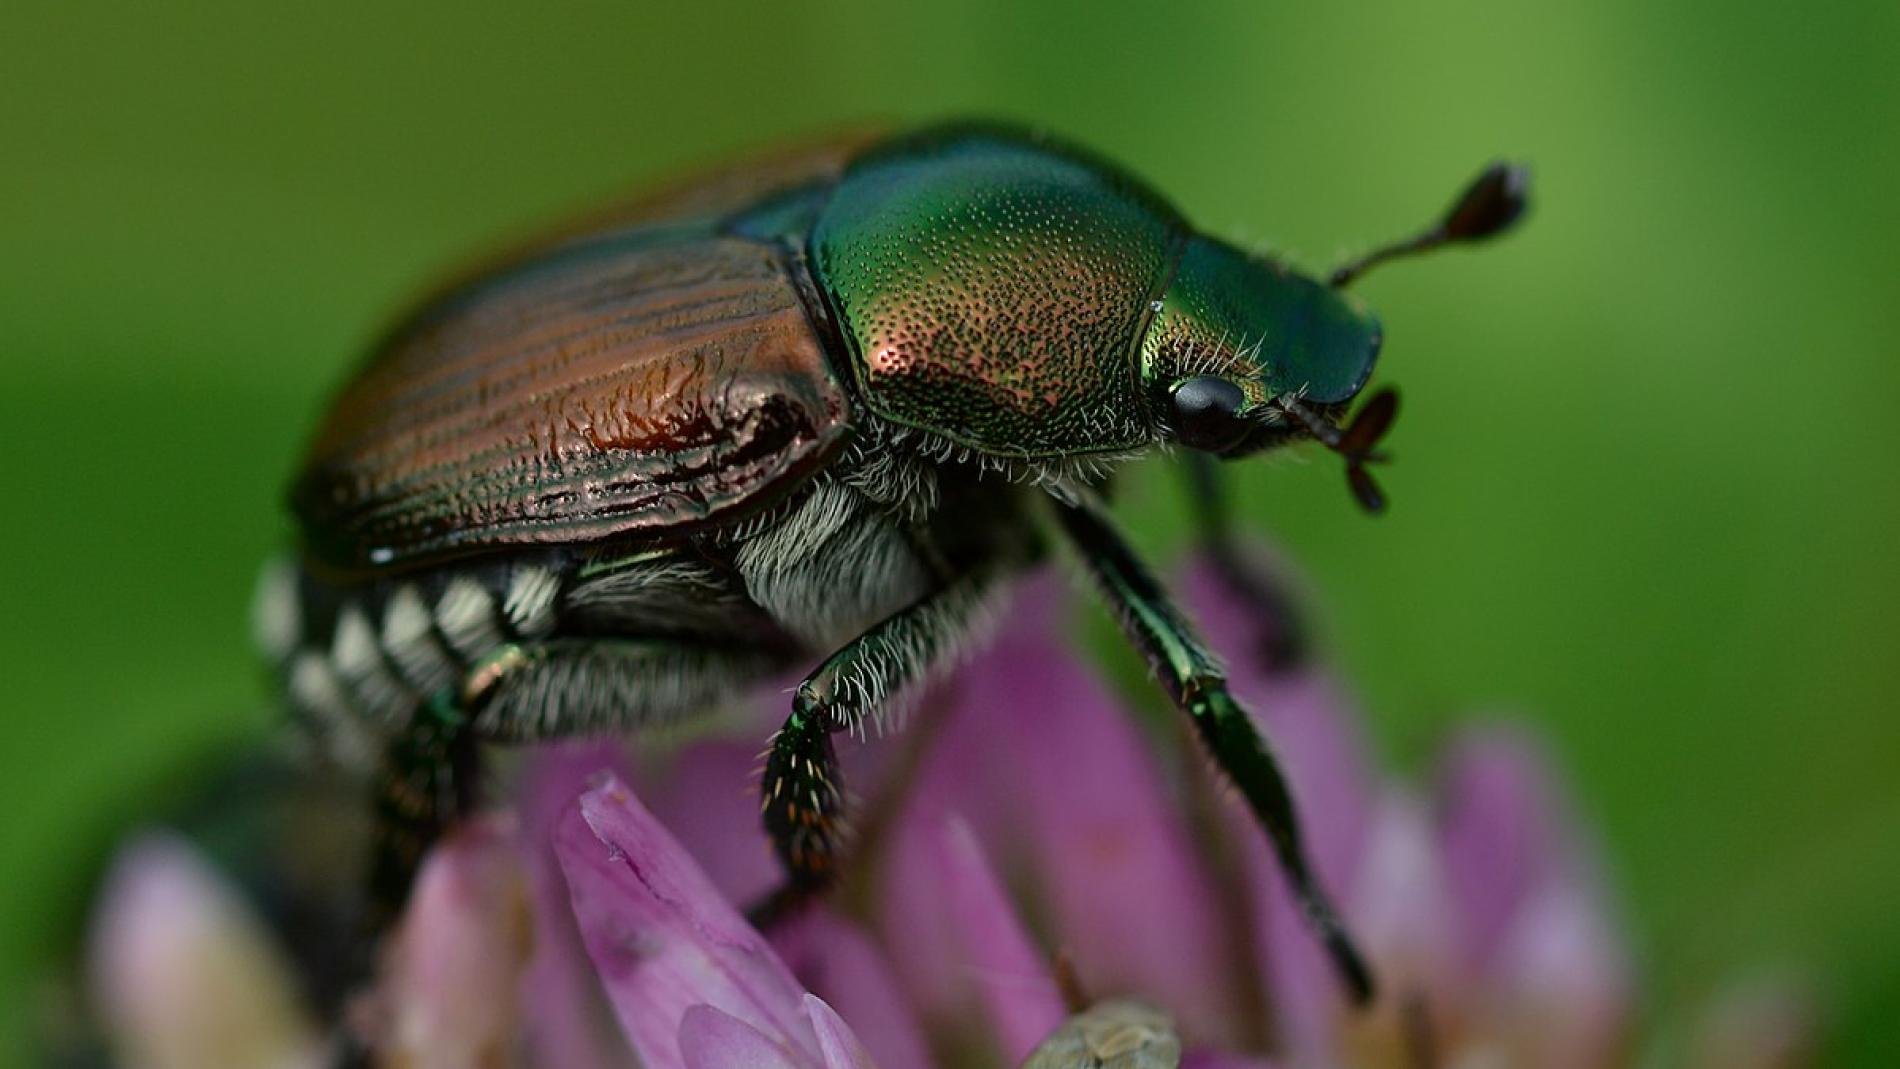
{"x": 1355, "y": 442}
{"x": 1489, "y": 206}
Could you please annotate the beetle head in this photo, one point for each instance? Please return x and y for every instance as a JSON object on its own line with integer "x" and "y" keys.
{"x": 1243, "y": 353}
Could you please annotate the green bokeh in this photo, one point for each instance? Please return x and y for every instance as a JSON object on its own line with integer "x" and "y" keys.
{"x": 1647, "y": 489}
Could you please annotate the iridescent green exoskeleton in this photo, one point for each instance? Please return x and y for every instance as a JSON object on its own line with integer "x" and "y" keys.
{"x": 813, "y": 408}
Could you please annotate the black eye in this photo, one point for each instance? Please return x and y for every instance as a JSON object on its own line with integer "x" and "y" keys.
{"x": 1205, "y": 413}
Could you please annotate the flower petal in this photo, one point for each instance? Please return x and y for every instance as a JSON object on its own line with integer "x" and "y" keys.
{"x": 836, "y": 1041}
{"x": 1564, "y": 978}
{"x": 838, "y": 961}
{"x": 1500, "y": 831}
{"x": 1315, "y": 734}
{"x": 958, "y": 942}
{"x": 1011, "y": 978}
{"x": 446, "y": 996}
{"x": 1319, "y": 751}
{"x": 1401, "y": 902}
{"x": 710, "y": 1038}
{"x": 1402, "y": 914}
{"x": 1314, "y": 731}
{"x": 662, "y": 937}
{"x": 708, "y": 798}
{"x": 566, "y": 1020}
{"x": 184, "y": 973}
{"x": 1061, "y": 786}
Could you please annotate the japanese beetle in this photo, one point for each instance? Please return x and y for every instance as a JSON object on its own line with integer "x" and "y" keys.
{"x": 817, "y": 406}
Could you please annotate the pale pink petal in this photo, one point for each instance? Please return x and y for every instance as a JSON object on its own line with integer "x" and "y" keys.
{"x": 1315, "y": 734}
{"x": 567, "y": 1022}
{"x": 1011, "y": 977}
{"x": 1401, "y": 903}
{"x": 1314, "y": 731}
{"x": 1060, "y": 786}
{"x": 1401, "y": 911}
{"x": 708, "y": 797}
{"x": 836, "y": 1041}
{"x": 1125, "y": 889}
{"x": 838, "y": 961}
{"x": 955, "y": 935}
{"x": 959, "y": 772}
{"x": 710, "y": 1038}
{"x": 662, "y": 937}
{"x": 446, "y": 994}
{"x": 914, "y": 900}
{"x": 1501, "y": 833}
{"x": 1319, "y": 751}
{"x": 1564, "y": 977}
{"x": 184, "y": 974}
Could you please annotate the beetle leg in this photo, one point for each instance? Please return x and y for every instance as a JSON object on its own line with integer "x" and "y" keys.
{"x": 1281, "y": 634}
{"x": 427, "y": 779}
{"x": 431, "y": 771}
{"x": 1194, "y": 680}
{"x": 802, "y": 798}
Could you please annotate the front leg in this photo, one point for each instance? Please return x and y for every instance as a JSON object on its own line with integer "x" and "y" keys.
{"x": 1194, "y": 680}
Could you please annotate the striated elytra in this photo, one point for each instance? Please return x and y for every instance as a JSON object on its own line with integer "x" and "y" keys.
{"x": 817, "y": 407}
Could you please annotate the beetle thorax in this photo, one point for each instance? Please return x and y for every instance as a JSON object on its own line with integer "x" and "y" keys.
{"x": 992, "y": 295}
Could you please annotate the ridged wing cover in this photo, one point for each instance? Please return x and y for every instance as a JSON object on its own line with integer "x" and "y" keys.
{"x": 707, "y": 195}
{"x": 995, "y": 287}
{"x": 638, "y": 383}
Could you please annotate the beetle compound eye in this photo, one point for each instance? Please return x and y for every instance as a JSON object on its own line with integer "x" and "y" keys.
{"x": 1204, "y": 412}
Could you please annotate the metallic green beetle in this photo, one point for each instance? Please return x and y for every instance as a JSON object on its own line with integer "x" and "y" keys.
{"x": 814, "y": 408}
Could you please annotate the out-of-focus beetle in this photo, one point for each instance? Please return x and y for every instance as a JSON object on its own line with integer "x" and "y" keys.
{"x": 818, "y": 406}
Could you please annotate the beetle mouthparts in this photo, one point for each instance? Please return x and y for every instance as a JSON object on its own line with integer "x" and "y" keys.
{"x": 1355, "y": 442}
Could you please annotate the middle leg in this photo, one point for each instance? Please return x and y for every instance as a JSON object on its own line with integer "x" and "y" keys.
{"x": 803, "y": 799}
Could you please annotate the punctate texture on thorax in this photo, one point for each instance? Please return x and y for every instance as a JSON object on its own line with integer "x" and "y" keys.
{"x": 995, "y": 291}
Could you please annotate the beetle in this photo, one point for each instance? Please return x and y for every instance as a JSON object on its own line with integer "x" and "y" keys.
{"x": 817, "y": 406}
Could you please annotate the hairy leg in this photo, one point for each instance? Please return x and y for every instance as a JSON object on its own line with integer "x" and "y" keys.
{"x": 430, "y": 773}
{"x": 803, "y": 800}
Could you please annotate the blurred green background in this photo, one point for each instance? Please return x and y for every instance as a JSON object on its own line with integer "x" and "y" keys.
{"x": 1647, "y": 487}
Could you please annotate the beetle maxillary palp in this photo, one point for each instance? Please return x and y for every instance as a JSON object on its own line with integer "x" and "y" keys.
{"x": 1356, "y": 442}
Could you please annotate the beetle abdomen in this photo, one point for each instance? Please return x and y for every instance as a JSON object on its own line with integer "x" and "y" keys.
{"x": 358, "y": 661}
{"x": 646, "y": 381}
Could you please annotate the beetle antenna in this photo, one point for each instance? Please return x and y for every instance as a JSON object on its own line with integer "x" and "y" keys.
{"x": 1355, "y": 442}
{"x": 1489, "y": 206}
